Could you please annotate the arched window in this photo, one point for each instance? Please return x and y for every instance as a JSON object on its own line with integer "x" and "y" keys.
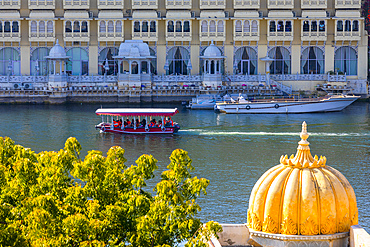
{"x": 144, "y": 67}
{"x": 280, "y": 26}
{"x": 355, "y": 26}
{"x": 306, "y": 26}
{"x": 68, "y": 27}
{"x": 118, "y": 27}
{"x": 246, "y": 60}
{"x": 314, "y": 26}
{"x": 220, "y": 26}
{"x": 1, "y": 26}
{"x": 186, "y": 26}
{"x": 322, "y": 26}
{"x": 238, "y": 26}
{"x": 254, "y": 26}
{"x": 204, "y": 27}
{"x": 345, "y": 60}
{"x": 107, "y": 54}
{"x": 340, "y": 26}
{"x": 137, "y": 27}
{"x": 10, "y": 58}
{"x": 212, "y": 26}
{"x": 170, "y": 27}
{"x": 153, "y": 61}
{"x": 312, "y": 61}
{"x": 42, "y": 27}
{"x": 15, "y": 28}
{"x": 153, "y": 27}
{"x": 50, "y": 27}
{"x": 84, "y": 28}
{"x": 281, "y": 63}
{"x": 38, "y": 58}
{"x": 288, "y": 26}
{"x": 102, "y": 27}
{"x": 7, "y": 27}
{"x": 178, "y": 27}
{"x": 347, "y": 26}
{"x": 110, "y": 27}
{"x": 246, "y": 27}
{"x": 178, "y": 58}
{"x": 134, "y": 68}
{"x": 33, "y": 27}
{"x": 76, "y": 27}
{"x": 78, "y": 63}
{"x": 144, "y": 27}
{"x": 272, "y": 26}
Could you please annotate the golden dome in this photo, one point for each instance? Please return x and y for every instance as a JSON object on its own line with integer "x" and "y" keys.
{"x": 302, "y": 196}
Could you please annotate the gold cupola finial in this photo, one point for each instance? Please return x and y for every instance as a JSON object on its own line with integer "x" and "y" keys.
{"x": 303, "y": 157}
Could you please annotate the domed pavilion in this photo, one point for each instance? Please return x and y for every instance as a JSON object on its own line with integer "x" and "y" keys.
{"x": 212, "y": 66}
{"x": 57, "y": 61}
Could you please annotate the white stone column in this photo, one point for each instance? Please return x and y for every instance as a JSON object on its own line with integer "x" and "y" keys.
{"x": 129, "y": 65}
{"x": 209, "y": 66}
{"x": 54, "y": 64}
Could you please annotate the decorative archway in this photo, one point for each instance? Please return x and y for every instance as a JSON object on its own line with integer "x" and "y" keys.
{"x": 245, "y": 61}
{"x": 10, "y": 59}
{"x": 178, "y": 58}
{"x": 312, "y": 61}
{"x": 107, "y": 55}
{"x": 78, "y": 63}
{"x": 39, "y": 61}
{"x": 282, "y": 60}
{"x": 345, "y": 60}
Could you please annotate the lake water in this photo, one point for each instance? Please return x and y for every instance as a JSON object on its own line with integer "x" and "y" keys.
{"x": 232, "y": 151}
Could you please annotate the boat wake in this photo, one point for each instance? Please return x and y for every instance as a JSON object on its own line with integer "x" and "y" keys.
{"x": 239, "y": 133}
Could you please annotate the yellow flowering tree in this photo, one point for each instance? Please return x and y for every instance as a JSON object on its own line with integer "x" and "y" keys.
{"x": 59, "y": 199}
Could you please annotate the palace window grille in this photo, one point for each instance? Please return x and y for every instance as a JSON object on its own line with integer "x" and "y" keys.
{"x": 178, "y": 58}
{"x": 345, "y": 60}
{"x": 10, "y": 56}
{"x": 246, "y": 60}
{"x": 38, "y": 56}
{"x": 312, "y": 61}
{"x": 104, "y": 55}
{"x": 78, "y": 63}
{"x": 282, "y": 60}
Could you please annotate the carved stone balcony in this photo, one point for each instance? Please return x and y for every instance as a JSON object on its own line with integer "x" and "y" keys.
{"x": 77, "y": 36}
{"x": 249, "y": 4}
{"x": 145, "y": 36}
{"x": 10, "y": 37}
{"x": 10, "y": 4}
{"x": 178, "y": 36}
{"x": 178, "y": 4}
{"x": 76, "y": 4}
{"x": 110, "y": 4}
{"x": 212, "y": 4}
{"x": 145, "y": 4}
{"x": 347, "y": 36}
{"x": 345, "y": 4}
{"x": 313, "y": 4}
{"x": 41, "y": 4}
{"x": 280, "y": 4}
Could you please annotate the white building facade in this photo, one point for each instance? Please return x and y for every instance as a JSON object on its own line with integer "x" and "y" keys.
{"x": 308, "y": 40}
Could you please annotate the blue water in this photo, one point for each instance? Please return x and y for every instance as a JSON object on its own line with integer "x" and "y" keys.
{"x": 232, "y": 151}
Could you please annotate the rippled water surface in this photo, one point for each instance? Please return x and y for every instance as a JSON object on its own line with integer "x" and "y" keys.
{"x": 232, "y": 151}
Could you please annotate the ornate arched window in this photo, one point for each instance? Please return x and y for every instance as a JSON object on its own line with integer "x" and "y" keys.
{"x": 212, "y": 26}
{"x": 281, "y": 63}
{"x": 78, "y": 63}
{"x": 10, "y": 57}
{"x": 178, "y": 58}
{"x": 246, "y": 60}
{"x": 254, "y": 26}
{"x": 204, "y": 26}
{"x": 345, "y": 60}
{"x": 137, "y": 27}
{"x": 50, "y": 27}
{"x": 220, "y": 26}
{"x": 38, "y": 58}
{"x": 110, "y": 27}
{"x": 76, "y": 27}
{"x": 246, "y": 27}
{"x": 170, "y": 27}
{"x": 178, "y": 27}
{"x": 7, "y": 27}
{"x": 15, "y": 27}
{"x": 312, "y": 61}
{"x": 33, "y": 27}
{"x": 84, "y": 27}
{"x": 238, "y": 26}
{"x": 42, "y": 27}
{"x": 102, "y": 27}
{"x": 153, "y": 27}
{"x": 186, "y": 26}
{"x": 134, "y": 68}
{"x": 144, "y": 27}
{"x": 68, "y": 27}
{"x": 118, "y": 27}
{"x": 107, "y": 54}
{"x": 340, "y": 26}
{"x": 272, "y": 26}
{"x": 355, "y": 26}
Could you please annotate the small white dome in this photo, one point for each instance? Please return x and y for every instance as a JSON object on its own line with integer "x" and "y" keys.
{"x": 212, "y": 51}
{"x": 57, "y": 52}
{"x": 134, "y": 48}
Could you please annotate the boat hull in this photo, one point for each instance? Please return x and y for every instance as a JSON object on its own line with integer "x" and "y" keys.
{"x": 139, "y": 130}
{"x": 271, "y": 107}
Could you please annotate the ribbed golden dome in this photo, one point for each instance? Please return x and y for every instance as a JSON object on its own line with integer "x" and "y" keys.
{"x": 302, "y": 196}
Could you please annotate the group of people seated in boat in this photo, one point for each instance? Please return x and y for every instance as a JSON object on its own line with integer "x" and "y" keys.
{"x": 141, "y": 124}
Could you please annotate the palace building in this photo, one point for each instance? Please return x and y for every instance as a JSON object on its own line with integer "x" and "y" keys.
{"x": 307, "y": 41}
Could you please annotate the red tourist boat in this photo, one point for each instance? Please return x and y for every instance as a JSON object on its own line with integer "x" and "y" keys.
{"x": 137, "y": 120}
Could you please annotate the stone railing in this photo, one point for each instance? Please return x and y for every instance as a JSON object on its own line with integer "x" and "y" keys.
{"x": 178, "y": 4}
{"x": 116, "y": 4}
{"x": 23, "y": 79}
{"x": 313, "y": 4}
{"x": 242, "y": 4}
{"x": 72, "y": 4}
{"x": 348, "y": 4}
{"x": 281, "y": 4}
{"x": 244, "y": 78}
{"x": 41, "y": 4}
{"x": 10, "y": 4}
{"x": 309, "y": 77}
{"x": 92, "y": 79}
{"x": 144, "y": 4}
{"x": 210, "y": 4}
{"x": 191, "y": 79}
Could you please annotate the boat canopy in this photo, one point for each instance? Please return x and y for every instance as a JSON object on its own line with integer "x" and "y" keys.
{"x": 138, "y": 112}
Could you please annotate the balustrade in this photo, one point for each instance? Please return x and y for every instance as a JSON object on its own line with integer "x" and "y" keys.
{"x": 145, "y": 4}
{"x": 76, "y": 4}
{"x": 281, "y": 4}
{"x": 41, "y": 4}
{"x": 110, "y": 4}
{"x": 347, "y": 4}
{"x": 312, "y": 4}
{"x": 242, "y": 4}
{"x": 212, "y": 4}
{"x": 182, "y": 4}
{"x": 10, "y": 4}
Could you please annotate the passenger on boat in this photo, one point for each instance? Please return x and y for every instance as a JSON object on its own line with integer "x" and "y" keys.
{"x": 159, "y": 123}
{"x": 115, "y": 124}
{"x": 169, "y": 122}
{"x": 128, "y": 122}
{"x": 137, "y": 123}
{"x": 143, "y": 122}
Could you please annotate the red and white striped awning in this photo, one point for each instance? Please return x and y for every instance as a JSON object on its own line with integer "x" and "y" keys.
{"x": 146, "y": 112}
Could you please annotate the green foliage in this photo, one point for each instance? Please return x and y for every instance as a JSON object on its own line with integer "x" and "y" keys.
{"x": 58, "y": 199}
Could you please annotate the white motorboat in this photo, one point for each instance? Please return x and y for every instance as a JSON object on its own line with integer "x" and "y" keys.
{"x": 328, "y": 103}
{"x": 208, "y": 102}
